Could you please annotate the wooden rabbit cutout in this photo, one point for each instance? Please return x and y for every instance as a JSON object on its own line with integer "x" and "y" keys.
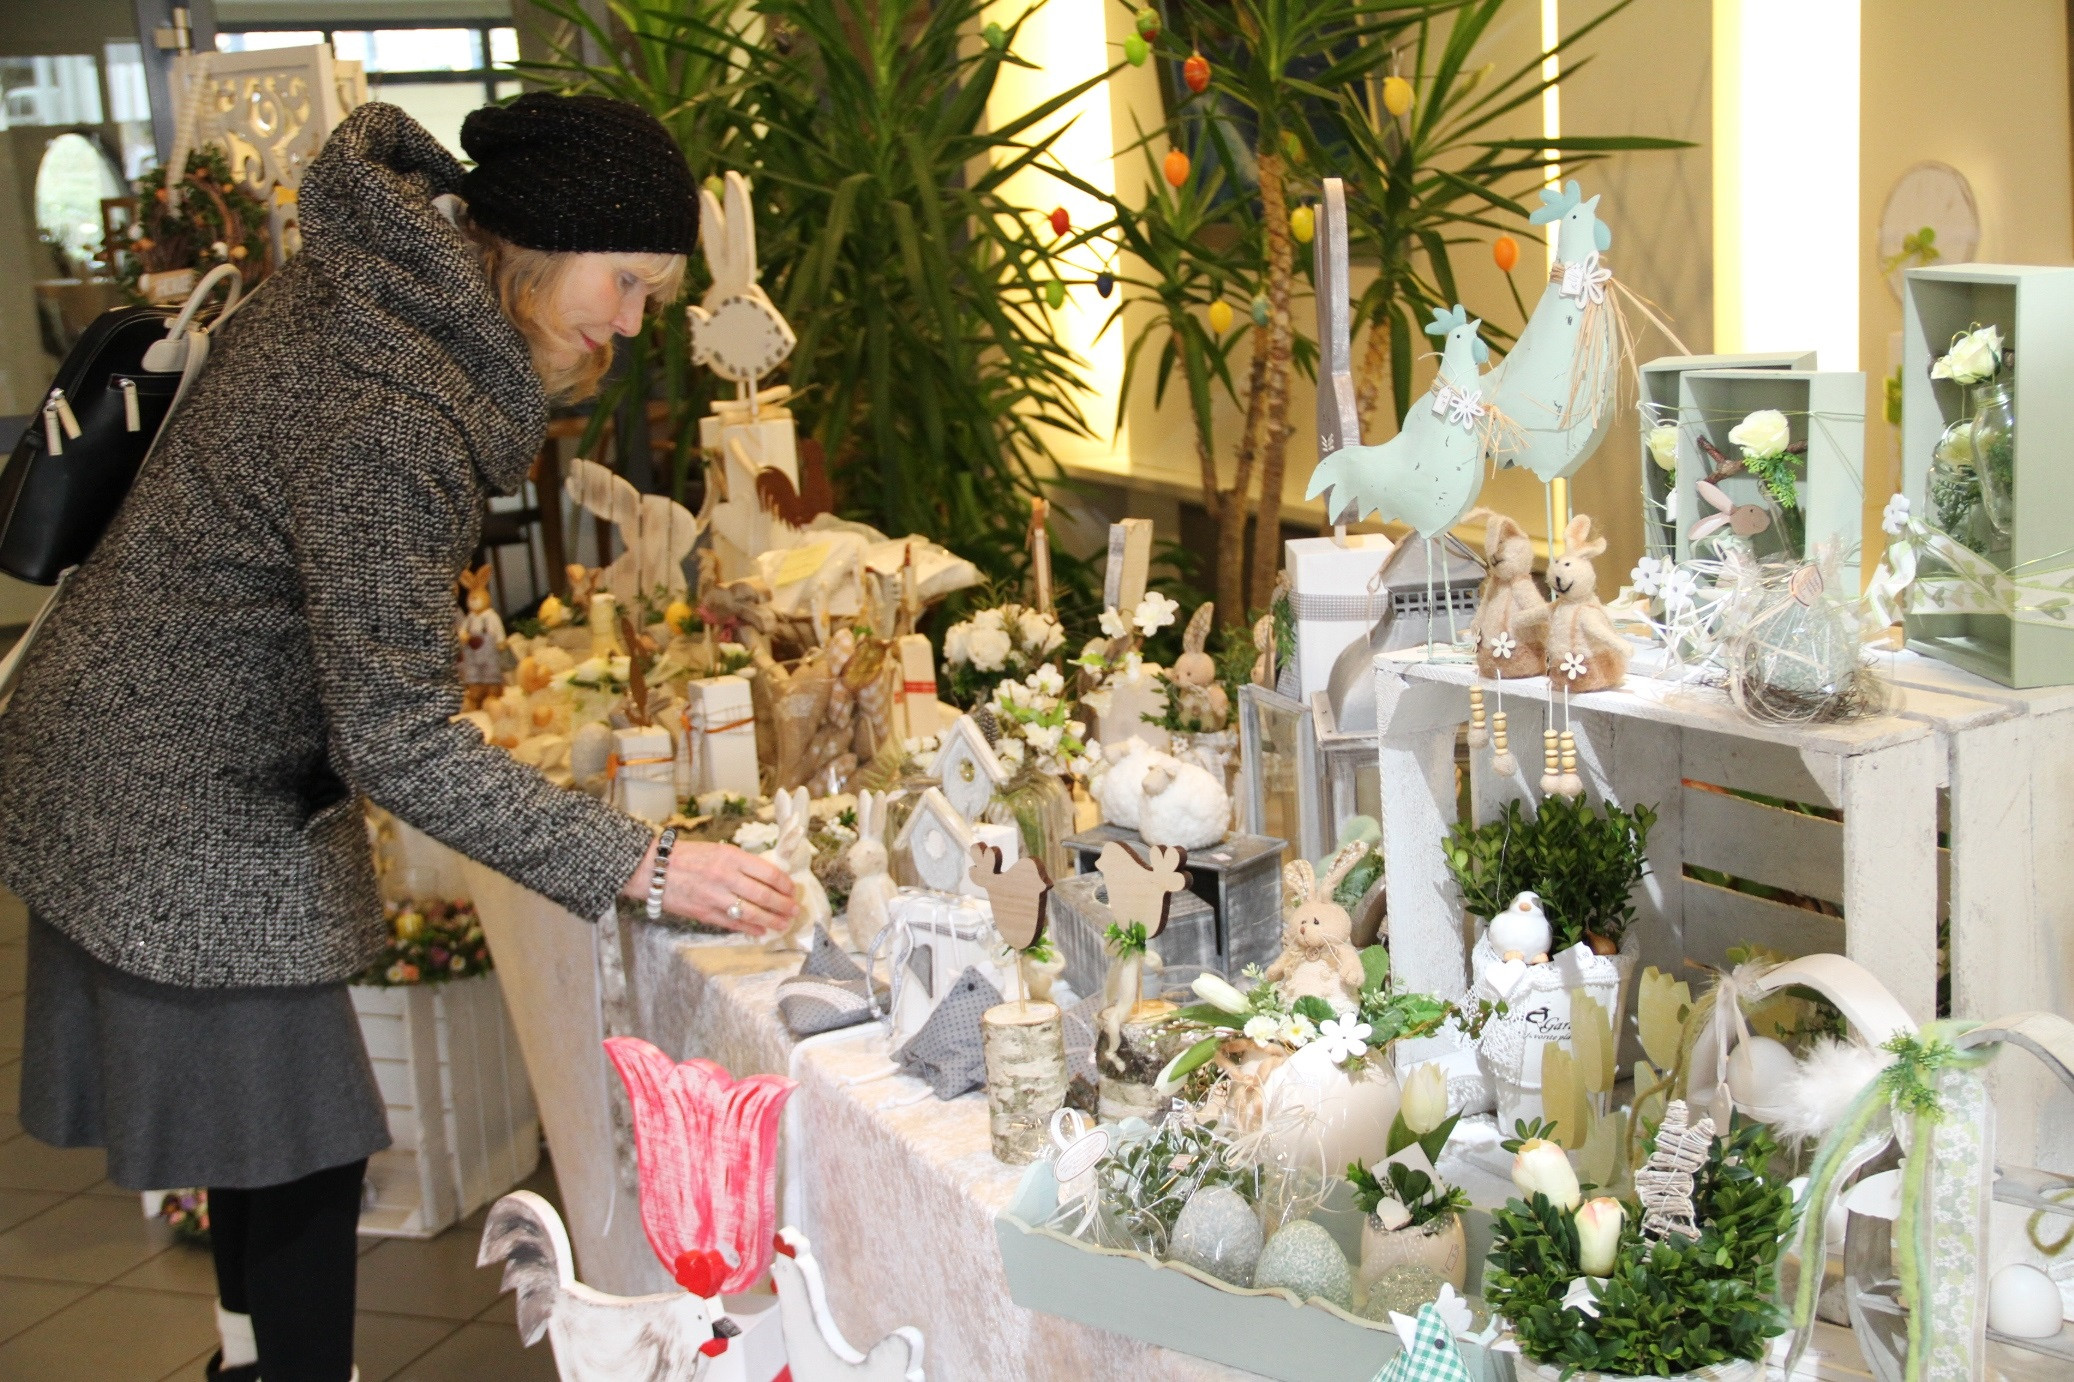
{"x": 656, "y": 532}
{"x": 1318, "y": 958}
{"x": 481, "y": 634}
{"x": 736, "y": 331}
{"x": 1584, "y": 651}
{"x": 1503, "y": 648}
{"x": 1139, "y": 894}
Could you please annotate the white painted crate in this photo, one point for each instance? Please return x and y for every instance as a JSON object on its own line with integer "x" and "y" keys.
{"x": 448, "y": 1047}
{"x": 1685, "y": 752}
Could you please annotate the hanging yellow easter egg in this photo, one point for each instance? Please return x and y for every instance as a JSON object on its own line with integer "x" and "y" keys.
{"x": 1220, "y": 317}
{"x": 1302, "y": 224}
{"x": 1397, "y": 95}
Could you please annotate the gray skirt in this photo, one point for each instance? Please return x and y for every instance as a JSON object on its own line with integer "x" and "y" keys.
{"x": 193, "y": 1087}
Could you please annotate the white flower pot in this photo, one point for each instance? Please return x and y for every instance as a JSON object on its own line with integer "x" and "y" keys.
{"x": 1326, "y": 1116}
{"x": 1742, "y": 1370}
{"x": 1538, "y": 999}
{"x": 1440, "y": 1245}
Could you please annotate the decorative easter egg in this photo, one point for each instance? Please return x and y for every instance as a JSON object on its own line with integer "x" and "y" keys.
{"x": 1055, "y": 293}
{"x": 1403, "y": 1289}
{"x": 1148, "y": 24}
{"x": 1260, "y": 310}
{"x": 1061, "y": 220}
{"x": 1218, "y": 1233}
{"x": 995, "y": 35}
{"x": 1175, "y": 168}
{"x": 1759, "y": 1070}
{"x": 2023, "y": 1302}
{"x": 1105, "y": 283}
{"x": 1220, "y": 316}
{"x": 1196, "y": 72}
{"x": 1505, "y": 253}
{"x": 1397, "y": 95}
{"x": 1302, "y": 1257}
{"x": 1135, "y": 51}
{"x": 1346, "y": 1115}
{"x": 1303, "y": 224}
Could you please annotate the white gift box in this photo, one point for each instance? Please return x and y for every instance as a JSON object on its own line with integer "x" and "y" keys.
{"x": 1330, "y": 599}
{"x": 917, "y": 713}
{"x": 644, "y": 773}
{"x": 723, "y": 727}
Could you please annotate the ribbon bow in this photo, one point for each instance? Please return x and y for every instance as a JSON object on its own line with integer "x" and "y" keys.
{"x": 1586, "y": 279}
{"x": 2041, "y": 594}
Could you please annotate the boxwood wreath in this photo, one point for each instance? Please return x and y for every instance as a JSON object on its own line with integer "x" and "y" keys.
{"x": 1669, "y": 1307}
{"x": 1582, "y": 862}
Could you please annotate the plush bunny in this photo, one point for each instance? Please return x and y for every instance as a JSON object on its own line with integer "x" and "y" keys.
{"x": 1318, "y": 958}
{"x": 481, "y": 635}
{"x": 1584, "y": 651}
{"x": 872, "y": 888}
{"x": 1184, "y": 805}
{"x": 1202, "y": 703}
{"x": 1508, "y": 593}
{"x": 794, "y": 853}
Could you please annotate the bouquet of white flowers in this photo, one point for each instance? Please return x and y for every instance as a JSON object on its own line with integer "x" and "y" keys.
{"x": 1007, "y": 641}
{"x": 1035, "y": 717}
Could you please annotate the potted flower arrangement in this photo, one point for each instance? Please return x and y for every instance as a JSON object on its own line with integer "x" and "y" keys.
{"x": 1041, "y": 743}
{"x": 1413, "y": 1215}
{"x": 1004, "y": 643}
{"x": 1677, "y": 1286}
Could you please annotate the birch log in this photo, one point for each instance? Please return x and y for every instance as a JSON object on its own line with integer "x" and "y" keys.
{"x": 1026, "y": 1076}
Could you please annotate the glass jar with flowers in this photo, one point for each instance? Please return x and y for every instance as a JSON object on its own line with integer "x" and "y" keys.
{"x": 1039, "y": 741}
{"x": 1975, "y": 362}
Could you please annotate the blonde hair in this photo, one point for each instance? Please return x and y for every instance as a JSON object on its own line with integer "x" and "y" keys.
{"x": 526, "y": 280}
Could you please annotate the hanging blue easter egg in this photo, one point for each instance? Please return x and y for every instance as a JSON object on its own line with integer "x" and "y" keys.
{"x": 1105, "y": 283}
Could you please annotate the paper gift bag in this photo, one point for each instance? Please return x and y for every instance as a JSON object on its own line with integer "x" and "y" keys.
{"x": 930, "y": 940}
{"x": 1331, "y": 601}
{"x": 643, "y": 770}
{"x": 723, "y": 729}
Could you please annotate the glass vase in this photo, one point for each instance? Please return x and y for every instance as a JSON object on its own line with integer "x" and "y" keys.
{"x": 1994, "y": 452}
{"x": 1040, "y": 807}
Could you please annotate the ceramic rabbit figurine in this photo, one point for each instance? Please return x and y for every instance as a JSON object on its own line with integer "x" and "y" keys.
{"x": 1202, "y": 703}
{"x": 1584, "y": 651}
{"x": 482, "y": 642}
{"x": 794, "y": 853}
{"x": 1508, "y": 593}
{"x": 1318, "y": 958}
{"x": 871, "y": 888}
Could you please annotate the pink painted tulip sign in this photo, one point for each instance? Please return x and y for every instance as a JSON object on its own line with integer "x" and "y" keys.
{"x": 708, "y": 1150}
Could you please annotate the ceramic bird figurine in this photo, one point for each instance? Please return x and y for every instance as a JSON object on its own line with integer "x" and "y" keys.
{"x": 736, "y": 330}
{"x": 1558, "y": 380}
{"x": 1521, "y": 931}
{"x": 815, "y": 1349}
{"x": 1431, "y": 471}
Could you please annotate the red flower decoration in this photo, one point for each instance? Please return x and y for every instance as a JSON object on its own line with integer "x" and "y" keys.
{"x": 708, "y": 1149}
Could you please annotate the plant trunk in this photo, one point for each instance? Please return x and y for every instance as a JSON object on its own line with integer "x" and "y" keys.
{"x": 1234, "y": 502}
{"x": 1369, "y": 375}
{"x": 1273, "y": 383}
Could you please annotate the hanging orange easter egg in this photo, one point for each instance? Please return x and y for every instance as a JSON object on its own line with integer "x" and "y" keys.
{"x": 1505, "y": 253}
{"x": 1175, "y": 168}
{"x": 1061, "y": 222}
{"x": 1196, "y": 72}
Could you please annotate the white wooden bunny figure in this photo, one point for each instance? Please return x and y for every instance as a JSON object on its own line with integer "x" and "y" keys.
{"x": 1585, "y": 652}
{"x": 871, "y": 888}
{"x": 656, "y": 531}
{"x": 482, "y": 642}
{"x": 1318, "y": 958}
{"x": 794, "y": 853}
{"x": 736, "y": 331}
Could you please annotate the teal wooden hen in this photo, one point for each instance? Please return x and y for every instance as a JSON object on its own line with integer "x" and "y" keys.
{"x": 1431, "y": 471}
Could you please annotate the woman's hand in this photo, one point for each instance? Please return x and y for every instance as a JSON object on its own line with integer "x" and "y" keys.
{"x": 705, "y": 880}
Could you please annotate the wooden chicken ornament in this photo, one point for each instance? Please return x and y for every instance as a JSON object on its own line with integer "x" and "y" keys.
{"x": 1018, "y": 896}
{"x": 1139, "y": 896}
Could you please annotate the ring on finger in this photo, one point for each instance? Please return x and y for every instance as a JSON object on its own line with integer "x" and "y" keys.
{"x": 734, "y": 910}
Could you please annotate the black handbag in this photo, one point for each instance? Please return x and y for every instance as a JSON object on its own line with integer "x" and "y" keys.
{"x": 74, "y": 466}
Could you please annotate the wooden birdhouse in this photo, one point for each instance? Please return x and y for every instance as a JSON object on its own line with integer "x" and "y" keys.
{"x": 938, "y": 842}
{"x": 968, "y": 769}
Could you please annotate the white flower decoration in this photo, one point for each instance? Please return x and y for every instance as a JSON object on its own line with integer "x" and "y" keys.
{"x": 1504, "y": 645}
{"x": 1155, "y": 612}
{"x": 1344, "y": 1038}
{"x": 1044, "y": 738}
{"x": 1975, "y": 357}
{"x": 1894, "y": 518}
{"x": 1678, "y": 589}
{"x": 957, "y": 643}
{"x": 988, "y": 647}
{"x": 756, "y": 837}
{"x": 1296, "y": 1031}
{"x": 990, "y": 619}
{"x": 1010, "y": 752}
{"x": 1573, "y": 666}
{"x": 1262, "y": 1029}
{"x": 1112, "y": 622}
{"x": 1047, "y": 680}
{"x": 1648, "y": 575}
{"x": 1763, "y": 433}
{"x": 1663, "y": 445}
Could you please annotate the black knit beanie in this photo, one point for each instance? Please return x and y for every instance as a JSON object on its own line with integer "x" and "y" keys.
{"x": 583, "y": 174}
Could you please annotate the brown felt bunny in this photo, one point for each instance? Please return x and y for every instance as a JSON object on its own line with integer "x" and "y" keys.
{"x": 1584, "y": 651}
{"x": 1318, "y": 958}
{"x": 1200, "y": 701}
{"x": 1499, "y": 631}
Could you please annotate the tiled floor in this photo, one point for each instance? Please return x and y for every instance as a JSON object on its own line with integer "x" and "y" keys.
{"x": 92, "y": 1292}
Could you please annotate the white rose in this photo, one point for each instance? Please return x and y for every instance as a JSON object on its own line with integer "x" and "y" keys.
{"x": 988, "y": 648}
{"x": 1155, "y": 612}
{"x": 989, "y": 619}
{"x": 957, "y": 643}
{"x": 1663, "y": 445}
{"x": 1112, "y": 623}
{"x": 1762, "y": 433}
{"x": 1035, "y": 631}
{"x": 1973, "y": 358}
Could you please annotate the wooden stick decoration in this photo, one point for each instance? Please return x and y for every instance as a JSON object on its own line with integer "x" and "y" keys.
{"x": 1023, "y": 1041}
{"x": 1040, "y": 552}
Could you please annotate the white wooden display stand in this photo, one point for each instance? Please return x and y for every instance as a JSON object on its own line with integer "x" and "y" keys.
{"x": 461, "y": 1111}
{"x": 1682, "y": 751}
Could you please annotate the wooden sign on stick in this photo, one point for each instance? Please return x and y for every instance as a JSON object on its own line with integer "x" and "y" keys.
{"x": 1130, "y": 561}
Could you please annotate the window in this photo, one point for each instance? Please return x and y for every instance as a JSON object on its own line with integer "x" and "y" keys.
{"x": 71, "y": 180}
{"x": 62, "y": 90}
{"x": 437, "y": 72}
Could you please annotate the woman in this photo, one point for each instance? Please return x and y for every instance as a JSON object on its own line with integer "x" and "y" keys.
{"x": 266, "y": 635}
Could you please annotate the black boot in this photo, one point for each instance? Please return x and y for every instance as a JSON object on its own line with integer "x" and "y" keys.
{"x": 216, "y": 1372}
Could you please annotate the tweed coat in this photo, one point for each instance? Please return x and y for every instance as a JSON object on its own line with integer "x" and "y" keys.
{"x": 266, "y": 633}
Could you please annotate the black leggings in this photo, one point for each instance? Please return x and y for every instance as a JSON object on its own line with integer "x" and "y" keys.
{"x": 286, "y": 1256}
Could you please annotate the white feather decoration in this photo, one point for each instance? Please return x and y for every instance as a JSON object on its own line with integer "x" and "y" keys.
{"x": 1831, "y": 1075}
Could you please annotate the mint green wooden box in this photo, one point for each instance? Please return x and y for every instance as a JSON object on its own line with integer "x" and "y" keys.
{"x": 2034, "y": 306}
